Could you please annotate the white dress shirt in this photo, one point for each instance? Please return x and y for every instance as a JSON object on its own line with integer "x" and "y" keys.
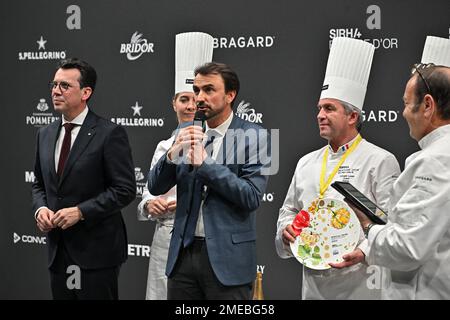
{"x": 74, "y": 133}
{"x": 219, "y": 133}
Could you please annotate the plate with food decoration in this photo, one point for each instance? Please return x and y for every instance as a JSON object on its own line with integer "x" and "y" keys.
{"x": 328, "y": 230}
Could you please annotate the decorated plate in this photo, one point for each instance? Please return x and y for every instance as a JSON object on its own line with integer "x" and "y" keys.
{"x": 333, "y": 231}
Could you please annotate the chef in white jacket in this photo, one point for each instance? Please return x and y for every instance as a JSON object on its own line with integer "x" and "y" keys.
{"x": 192, "y": 49}
{"x": 346, "y": 157}
{"x": 415, "y": 243}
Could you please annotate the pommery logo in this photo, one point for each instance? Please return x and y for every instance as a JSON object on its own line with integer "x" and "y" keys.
{"x": 42, "y": 55}
{"x": 244, "y": 112}
{"x": 41, "y": 118}
{"x": 137, "y": 47}
{"x": 140, "y": 181}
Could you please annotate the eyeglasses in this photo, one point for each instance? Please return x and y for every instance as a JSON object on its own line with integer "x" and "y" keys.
{"x": 63, "y": 86}
{"x": 422, "y": 66}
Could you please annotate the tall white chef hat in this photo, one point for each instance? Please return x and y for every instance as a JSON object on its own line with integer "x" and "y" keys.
{"x": 437, "y": 51}
{"x": 348, "y": 70}
{"x": 192, "y": 49}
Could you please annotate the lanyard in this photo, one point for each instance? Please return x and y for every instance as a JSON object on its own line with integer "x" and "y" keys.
{"x": 324, "y": 186}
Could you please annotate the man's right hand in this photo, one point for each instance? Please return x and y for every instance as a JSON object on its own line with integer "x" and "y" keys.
{"x": 288, "y": 235}
{"x": 44, "y": 218}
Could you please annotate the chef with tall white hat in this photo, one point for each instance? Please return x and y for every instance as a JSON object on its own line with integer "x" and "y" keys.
{"x": 346, "y": 157}
{"x": 192, "y": 49}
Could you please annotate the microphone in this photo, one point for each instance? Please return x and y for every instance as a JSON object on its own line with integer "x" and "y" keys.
{"x": 199, "y": 119}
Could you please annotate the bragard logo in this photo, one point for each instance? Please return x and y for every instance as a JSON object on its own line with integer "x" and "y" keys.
{"x": 137, "y": 47}
{"x": 138, "y": 121}
{"x": 244, "y": 112}
{"x": 243, "y": 42}
{"x": 380, "y": 115}
{"x": 42, "y": 118}
{"x": 42, "y": 55}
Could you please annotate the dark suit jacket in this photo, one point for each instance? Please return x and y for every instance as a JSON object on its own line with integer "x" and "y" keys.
{"x": 99, "y": 179}
{"x": 234, "y": 193}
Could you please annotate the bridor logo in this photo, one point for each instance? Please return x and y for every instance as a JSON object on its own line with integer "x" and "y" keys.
{"x": 243, "y": 42}
{"x": 42, "y": 55}
{"x": 140, "y": 182}
{"x": 138, "y": 120}
{"x": 41, "y": 118}
{"x": 137, "y": 47}
{"x": 244, "y": 112}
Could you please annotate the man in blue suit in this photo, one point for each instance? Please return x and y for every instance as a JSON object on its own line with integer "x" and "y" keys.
{"x": 220, "y": 184}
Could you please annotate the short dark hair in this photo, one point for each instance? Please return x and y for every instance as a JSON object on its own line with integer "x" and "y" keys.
{"x": 88, "y": 76}
{"x": 230, "y": 78}
{"x": 439, "y": 83}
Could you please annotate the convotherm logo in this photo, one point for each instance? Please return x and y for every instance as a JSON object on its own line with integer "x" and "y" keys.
{"x": 241, "y": 42}
{"x": 136, "y": 47}
{"x": 42, "y": 54}
{"x": 42, "y": 116}
{"x": 138, "y": 120}
{"x": 28, "y": 239}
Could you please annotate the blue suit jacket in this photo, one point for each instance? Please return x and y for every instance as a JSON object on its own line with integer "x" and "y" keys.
{"x": 234, "y": 193}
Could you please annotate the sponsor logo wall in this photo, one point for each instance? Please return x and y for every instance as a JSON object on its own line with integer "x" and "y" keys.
{"x": 279, "y": 53}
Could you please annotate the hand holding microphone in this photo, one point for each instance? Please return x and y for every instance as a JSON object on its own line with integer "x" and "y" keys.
{"x": 188, "y": 145}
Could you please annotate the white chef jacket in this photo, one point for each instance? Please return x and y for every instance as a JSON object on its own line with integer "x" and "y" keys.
{"x": 415, "y": 243}
{"x": 370, "y": 169}
{"x": 157, "y": 279}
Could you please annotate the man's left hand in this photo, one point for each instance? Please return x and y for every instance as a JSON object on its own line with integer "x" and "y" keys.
{"x": 350, "y": 259}
{"x": 66, "y": 217}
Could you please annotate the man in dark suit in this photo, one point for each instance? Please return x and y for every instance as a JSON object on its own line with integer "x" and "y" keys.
{"x": 220, "y": 184}
{"x": 84, "y": 177}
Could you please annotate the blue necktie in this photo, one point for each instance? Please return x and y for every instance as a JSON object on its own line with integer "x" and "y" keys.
{"x": 196, "y": 198}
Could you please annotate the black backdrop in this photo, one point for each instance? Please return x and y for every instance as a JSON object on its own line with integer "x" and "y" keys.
{"x": 278, "y": 48}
